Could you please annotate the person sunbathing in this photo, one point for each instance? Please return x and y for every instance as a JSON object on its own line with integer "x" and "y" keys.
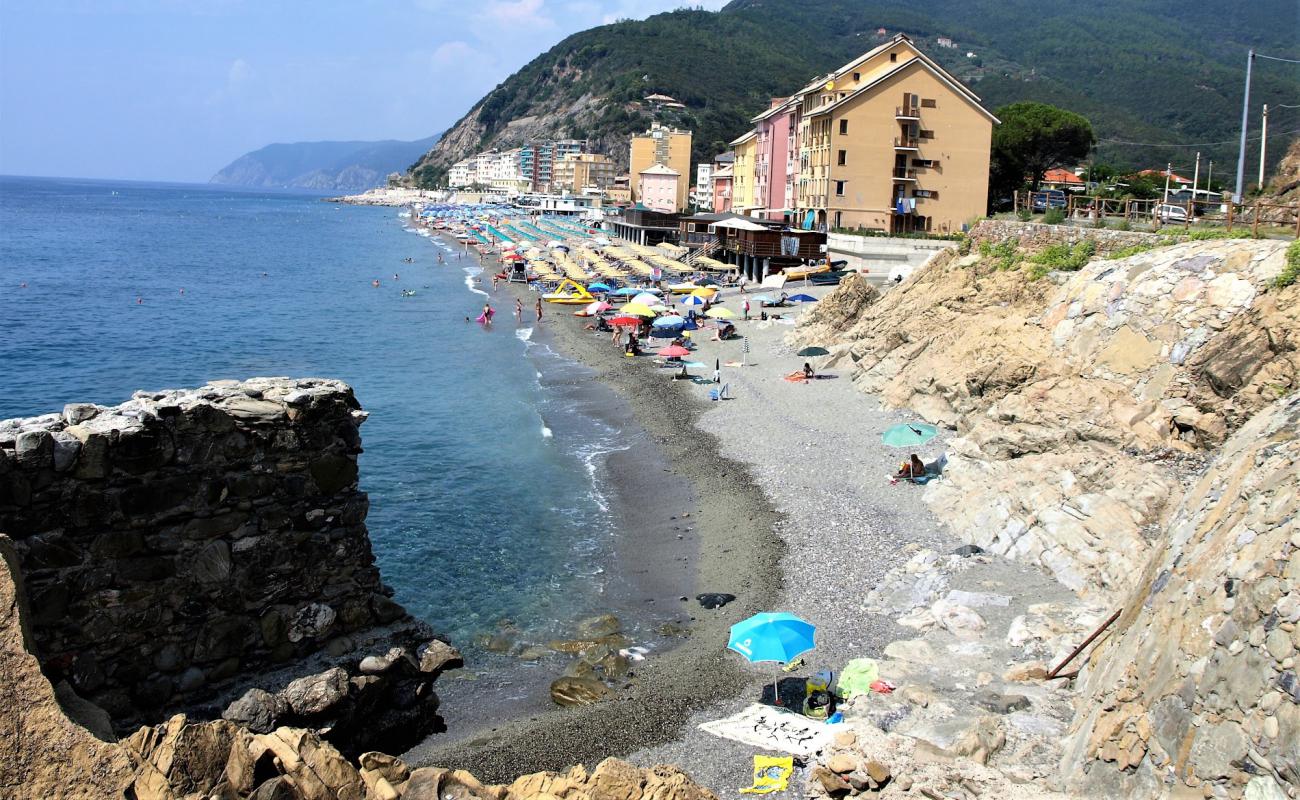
{"x": 913, "y": 467}
{"x": 808, "y": 371}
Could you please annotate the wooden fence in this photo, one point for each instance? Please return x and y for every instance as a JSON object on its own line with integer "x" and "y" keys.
{"x": 1083, "y": 210}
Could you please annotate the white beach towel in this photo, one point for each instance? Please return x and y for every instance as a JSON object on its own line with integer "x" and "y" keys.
{"x": 771, "y": 728}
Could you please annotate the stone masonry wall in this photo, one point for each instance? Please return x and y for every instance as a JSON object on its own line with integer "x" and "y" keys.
{"x": 1035, "y": 236}
{"x": 186, "y": 537}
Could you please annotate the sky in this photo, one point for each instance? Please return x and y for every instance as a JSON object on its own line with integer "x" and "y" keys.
{"x": 175, "y": 89}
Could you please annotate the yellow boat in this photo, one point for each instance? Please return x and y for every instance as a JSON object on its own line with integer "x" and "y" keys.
{"x": 803, "y": 272}
{"x": 580, "y": 295}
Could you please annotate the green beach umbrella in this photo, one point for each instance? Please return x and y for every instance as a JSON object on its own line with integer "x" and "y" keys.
{"x": 814, "y": 351}
{"x": 909, "y": 434}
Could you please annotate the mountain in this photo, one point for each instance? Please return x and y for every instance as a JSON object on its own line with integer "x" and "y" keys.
{"x": 323, "y": 166}
{"x": 1143, "y": 71}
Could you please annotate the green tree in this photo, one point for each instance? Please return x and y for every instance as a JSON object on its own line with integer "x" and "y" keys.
{"x": 1033, "y": 138}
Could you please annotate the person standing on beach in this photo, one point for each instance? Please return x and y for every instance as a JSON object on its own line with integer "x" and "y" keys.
{"x": 539, "y": 309}
{"x": 519, "y": 310}
{"x": 745, "y": 307}
{"x": 494, "y": 283}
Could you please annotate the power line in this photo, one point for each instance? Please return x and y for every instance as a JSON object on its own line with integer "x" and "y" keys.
{"x": 1275, "y": 58}
{"x": 1195, "y": 144}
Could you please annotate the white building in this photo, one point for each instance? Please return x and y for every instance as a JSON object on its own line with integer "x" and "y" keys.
{"x": 702, "y": 192}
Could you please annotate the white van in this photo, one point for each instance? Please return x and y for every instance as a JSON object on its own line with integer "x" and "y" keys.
{"x": 1168, "y": 213}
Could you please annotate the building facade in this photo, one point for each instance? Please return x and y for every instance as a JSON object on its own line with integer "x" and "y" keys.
{"x": 659, "y": 189}
{"x": 742, "y": 173}
{"x": 722, "y": 189}
{"x": 577, "y": 171}
{"x": 663, "y": 145}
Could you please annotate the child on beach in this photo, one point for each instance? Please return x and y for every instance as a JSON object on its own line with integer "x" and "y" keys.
{"x": 488, "y": 313}
{"x": 519, "y": 310}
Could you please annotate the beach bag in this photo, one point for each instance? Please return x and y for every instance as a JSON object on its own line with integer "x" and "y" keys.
{"x": 771, "y": 774}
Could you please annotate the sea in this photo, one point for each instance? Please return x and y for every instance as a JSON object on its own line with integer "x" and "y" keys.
{"x": 483, "y": 454}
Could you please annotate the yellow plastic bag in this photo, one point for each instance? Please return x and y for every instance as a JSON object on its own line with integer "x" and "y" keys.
{"x": 771, "y": 774}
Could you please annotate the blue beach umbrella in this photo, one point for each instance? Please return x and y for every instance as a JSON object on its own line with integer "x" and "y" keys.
{"x": 692, "y": 300}
{"x": 669, "y": 322}
{"x": 626, "y": 291}
{"x": 803, "y": 298}
{"x": 779, "y": 637}
{"x": 761, "y": 299}
{"x": 598, "y": 287}
{"x": 909, "y": 434}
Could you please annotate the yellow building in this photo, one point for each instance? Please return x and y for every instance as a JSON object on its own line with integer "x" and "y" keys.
{"x": 577, "y": 171}
{"x": 892, "y": 142}
{"x": 742, "y": 174}
{"x": 662, "y": 145}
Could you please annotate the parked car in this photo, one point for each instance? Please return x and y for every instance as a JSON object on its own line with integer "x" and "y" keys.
{"x": 1168, "y": 213}
{"x": 1051, "y": 198}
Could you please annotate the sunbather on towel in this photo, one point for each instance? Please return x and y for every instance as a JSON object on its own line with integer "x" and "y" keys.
{"x": 913, "y": 467}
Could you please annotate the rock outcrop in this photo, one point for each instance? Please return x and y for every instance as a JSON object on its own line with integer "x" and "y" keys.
{"x": 1081, "y": 399}
{"x": 44, "y": 754}
{"x": 1198, "y": 685}
{"x": 186, "y": 545}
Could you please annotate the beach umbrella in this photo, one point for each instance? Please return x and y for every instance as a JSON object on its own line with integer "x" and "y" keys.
{"x": 760, "y": 299}
{"x": 909, "y": 434}
{"x": 669, "y": 322}
{"x": 693, "y": 300}
{"x": 694, "y": 364}
{"x": 598, "y": 287}
{"x": 674, "y": 351}
{"x": 553, "y": 244}
{"x": 636, "y": 310}
{"x": 625, "y": 321}
{"x": 707, "y": 282}
{"x": 803, "y": 298}
{"x": 510, "y": 246}
{"x": 650, "y": 290}
{"x": 704, "y": 291}
{"x": 596, "y": 308}
{"x": 646, "y": 299}
{"x": 779, "y": 637}
{"x": 626, "y": 291}
{"x": 814, "y": 351}
{"x": 720, "y": 313}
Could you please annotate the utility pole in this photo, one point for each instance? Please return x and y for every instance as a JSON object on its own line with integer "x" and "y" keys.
{"x": 1245, "y": 119}
{"x": 1169, "y": 170}
{"x": 1263, "y": 146}
{"x": 1196, "y": 174}
{"x": 1209, "y": 177}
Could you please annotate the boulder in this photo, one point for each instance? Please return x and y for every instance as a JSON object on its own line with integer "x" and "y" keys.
{"x": 257, "y": 709}
{"x": 316, "y": 694}
{"x": 437, "y": 655}
{"x": 575, "y": 691}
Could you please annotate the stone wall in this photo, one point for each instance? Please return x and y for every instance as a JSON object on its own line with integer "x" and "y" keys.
{"x": 1197, "y": 687}
{"x": 178, "y": 543}
{"x": 1035, "y": 236}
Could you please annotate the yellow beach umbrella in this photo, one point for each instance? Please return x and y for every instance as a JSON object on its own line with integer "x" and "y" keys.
{"x": 705, "y": 292}
{"x": 720, "y": 313}
{"x": 637, "y": 310}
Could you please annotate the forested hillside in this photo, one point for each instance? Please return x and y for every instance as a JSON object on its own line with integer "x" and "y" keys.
{"x": 1160, "y": 71}
{"x": 322, "y": 166}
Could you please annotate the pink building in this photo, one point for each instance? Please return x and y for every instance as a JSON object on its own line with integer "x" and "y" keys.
{"x": 775, "y": 172}
{"x": 659, "y": 188}
{"x": 722, "y": 189}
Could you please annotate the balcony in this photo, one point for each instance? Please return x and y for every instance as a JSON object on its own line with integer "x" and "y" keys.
{"x": 907, "y": 143}
{"x": 904, "y": 174}
{"x": 909, "y": 113}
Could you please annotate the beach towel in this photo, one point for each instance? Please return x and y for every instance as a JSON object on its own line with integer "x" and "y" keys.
{"x": 857, "y": 676}
{"x": 771, "y": 728}
{"x": 796, "y": 377}
{"x": 771, "y": 774}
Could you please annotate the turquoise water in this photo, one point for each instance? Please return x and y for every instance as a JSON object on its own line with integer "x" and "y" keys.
{"x": 479, "y": 513}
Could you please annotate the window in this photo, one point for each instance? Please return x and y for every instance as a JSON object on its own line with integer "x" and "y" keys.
{"x": 844, "y": 127}
{"x": 927, "y": 104}
{"x": 857, "y": 76}
{"x": 839, "y": 219}
{"x": 690, "y": 227}
{"x": 927, "y": 134}
{"x": 839, "y": 188}
{"x": 930, "y": 193}
{"x": 926, "y": 163}
{"x": 842, "y": 158}
{"x": 893, "y": 56}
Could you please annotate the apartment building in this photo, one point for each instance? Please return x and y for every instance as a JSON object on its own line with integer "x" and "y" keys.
{"x": 889, "y": 141}
{"x": 892, "y": 142}
{"x": 659, "y": 188}
{"x": 574, "y": 172}
{"x": 663, "y": 145}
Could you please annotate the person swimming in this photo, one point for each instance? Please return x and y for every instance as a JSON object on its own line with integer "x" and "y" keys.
{"x": 375, "y": 283}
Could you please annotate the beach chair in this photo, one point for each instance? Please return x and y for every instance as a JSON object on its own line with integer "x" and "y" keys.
{"x": 720, "y": 393}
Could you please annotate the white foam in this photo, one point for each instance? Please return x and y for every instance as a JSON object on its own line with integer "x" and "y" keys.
{"x": 547, "y": 433}
{"x": 524, "y": 334}
{"x": 470, "y": 273}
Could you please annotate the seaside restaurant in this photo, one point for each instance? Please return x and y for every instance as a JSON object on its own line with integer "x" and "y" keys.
{"x": 641, "y": 225}
{"x": 757, "y": 247}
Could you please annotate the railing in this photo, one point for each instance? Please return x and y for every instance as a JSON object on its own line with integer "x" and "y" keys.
{"x": 908, "y": 142}
{"x": 904, "y": 173}
{"x": 1276, "y": 219}
{"x": 707, "y": 250}
{"x": 764, "y": 250}
{"x": 907, "y": 111}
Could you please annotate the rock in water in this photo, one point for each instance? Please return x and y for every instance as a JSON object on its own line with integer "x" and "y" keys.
{"x": 714, "y": 599}
{"x": 570, "y": 691}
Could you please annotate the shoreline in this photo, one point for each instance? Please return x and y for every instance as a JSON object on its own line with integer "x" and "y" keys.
{"x": 738, "y": 552}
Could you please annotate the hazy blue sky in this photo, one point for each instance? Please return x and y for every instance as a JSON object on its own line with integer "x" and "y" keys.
{"x": 175, "y": 89}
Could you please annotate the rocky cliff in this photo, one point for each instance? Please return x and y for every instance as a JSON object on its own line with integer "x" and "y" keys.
{"x": 187, "y": 547}
{"x": 1128, "y": 424}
